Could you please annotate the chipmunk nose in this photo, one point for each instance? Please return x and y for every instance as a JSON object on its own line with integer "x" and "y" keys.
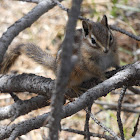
{"x": 106, "y": 51}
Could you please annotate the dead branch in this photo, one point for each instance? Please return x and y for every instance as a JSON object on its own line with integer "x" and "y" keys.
{"x": 32, "y": 1}
{"x": 120, "y": 125}
{"x": 86, "y": 126}
{"x": 26, "y": 82}
{"x": 136, "y": 126}
{"x": 112, "y": 27}
{"x": 114, "y": 105}
{"x": 22, "y": 107}
{"x": 128, "y": 76}
{"x": 15, "y": 130}
{"x": 91, "y": 134}
{"x": 125, "y": 32}
{"x": 134, "y": 90}
{"x": 23, "y": 23}
{"x": 103, "y": 126}
{"x": 64, "y": 72}
{"x": 123, "y": 109}
{"x": 44, "y": 86}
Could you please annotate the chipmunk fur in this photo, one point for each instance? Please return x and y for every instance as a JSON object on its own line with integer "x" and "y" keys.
{"x": 98, "y": 52}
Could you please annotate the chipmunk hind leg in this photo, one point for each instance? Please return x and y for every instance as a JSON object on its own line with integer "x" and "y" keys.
{"x": 10, "y": 58}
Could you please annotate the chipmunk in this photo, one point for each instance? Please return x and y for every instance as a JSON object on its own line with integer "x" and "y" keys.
{"x": 98, "y": 52}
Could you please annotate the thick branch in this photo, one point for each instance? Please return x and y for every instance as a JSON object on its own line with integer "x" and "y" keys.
{"x": 26, "y": 83}
{"x": 128, "y": 76}
{"x": 43, "y": 86}
{"x": 64, "y": 71}
{"x": 22, "y": 107}
{"x": 15, "y": 130}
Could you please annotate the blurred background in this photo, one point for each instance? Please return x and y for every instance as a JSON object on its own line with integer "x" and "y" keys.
{"x": 48, "y": 33}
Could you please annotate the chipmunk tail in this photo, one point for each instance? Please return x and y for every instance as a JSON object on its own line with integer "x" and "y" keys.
{"x": 31, "y": 51}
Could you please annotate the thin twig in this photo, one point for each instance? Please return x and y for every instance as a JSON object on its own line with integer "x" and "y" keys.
{"x": 114, "y": 105}
{"x": 91, "y": 134}
{"x": 124, "y": 110}
{"x": 134, "y": 90}
{"x": 86, "y": 128}
{"x": 136, "y": 126}
{"x": 119, "y": 112}
{"x": 61, "y": 6}
{"x": 103, "y": 126}
{"x": 14, "y": 96}
{"x": 112, "y": 27}
{"x": 32, "y": 1}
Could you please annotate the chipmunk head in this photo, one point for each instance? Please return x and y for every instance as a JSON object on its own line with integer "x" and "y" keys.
{"x": 98, "y": 34}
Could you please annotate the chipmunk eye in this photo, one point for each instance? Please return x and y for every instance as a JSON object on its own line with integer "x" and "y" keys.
{"x": 111, "y": 38}
{"x": 93, "y": 41}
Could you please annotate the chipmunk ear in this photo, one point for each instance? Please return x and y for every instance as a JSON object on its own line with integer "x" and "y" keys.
{"x": 86, "y": 27}
{"x": 104, "y": 21}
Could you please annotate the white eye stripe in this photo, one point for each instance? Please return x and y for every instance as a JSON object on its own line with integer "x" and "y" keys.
{"x": 89, "y": 39}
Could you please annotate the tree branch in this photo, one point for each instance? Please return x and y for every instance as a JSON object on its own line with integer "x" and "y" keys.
{"x": 44, "y": 86}
{"x": 26, "y": 21}
{"x": 103, "y": 126}
{"x": 22, "y": 107}
{"x": 114, "y": 105}
{"x": 15, "y": 130}
{"x": 91, "y": 134}
{"x": 120, "y": 125}
{"x": 64, "y": 71}
{"x": 112, "y": 27}
{"x": 33, "y": 1}
{"x": 136, "y": 126}
{"x": 128, "y": 77}
{"x": 26, "y": 83}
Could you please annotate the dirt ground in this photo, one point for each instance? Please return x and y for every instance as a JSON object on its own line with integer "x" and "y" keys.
{"x": 48, "y": 32}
